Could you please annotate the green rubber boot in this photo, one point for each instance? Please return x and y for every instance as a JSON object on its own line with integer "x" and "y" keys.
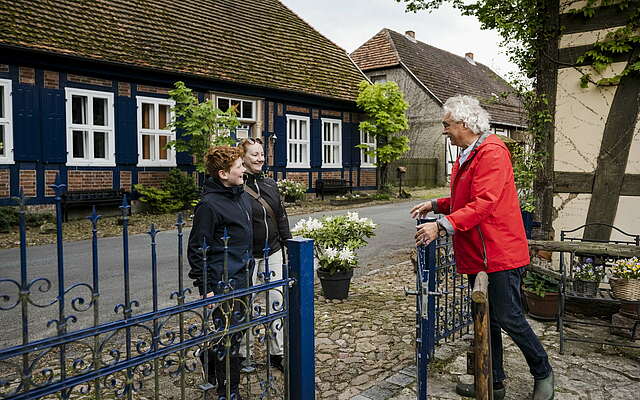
{"x": 543, "y": 389}
{"x": 469, "y": 390}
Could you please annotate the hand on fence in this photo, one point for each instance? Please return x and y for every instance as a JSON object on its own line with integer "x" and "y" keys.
{"x": 426, "y": 233}
{"x": 421, "y": 209}
{"x": 210, "y": 294}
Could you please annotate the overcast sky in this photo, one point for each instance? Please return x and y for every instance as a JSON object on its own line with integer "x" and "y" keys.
{"x": 350, "y": 23}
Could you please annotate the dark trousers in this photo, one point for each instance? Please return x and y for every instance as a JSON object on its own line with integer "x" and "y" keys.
{"x": 505, "y": 311}
{"x": 216, "y": 354}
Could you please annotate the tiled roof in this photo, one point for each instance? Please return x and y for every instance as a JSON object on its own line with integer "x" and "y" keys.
{"x": 256, "y": 42}
{"x": 443, "y": 73}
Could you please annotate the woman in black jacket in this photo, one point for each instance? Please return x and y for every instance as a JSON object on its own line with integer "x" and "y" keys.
{"x": 224, "y": 208}
{"x": 270, "y": 231}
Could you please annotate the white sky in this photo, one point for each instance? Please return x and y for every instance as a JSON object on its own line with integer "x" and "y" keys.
{"x": 350, "y": 23}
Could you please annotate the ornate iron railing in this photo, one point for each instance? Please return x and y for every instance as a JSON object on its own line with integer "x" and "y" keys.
{"x": 96, "y": 354}
{"x": 443, "y": 303}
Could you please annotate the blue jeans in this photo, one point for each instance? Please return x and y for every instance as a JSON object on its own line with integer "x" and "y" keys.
{"x": 505, "y": 311}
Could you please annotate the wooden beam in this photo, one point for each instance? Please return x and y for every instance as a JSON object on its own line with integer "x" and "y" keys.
{"x": 614, "y": 153}
{"x": 615, "y": 250}
{"x": 569, "y": 55}
{"x": 604, "y": 17}
{"x": 572, "y": 182}
{"x": 482, "y": 338}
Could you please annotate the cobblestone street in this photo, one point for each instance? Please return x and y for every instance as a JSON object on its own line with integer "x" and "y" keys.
{"x": 365, "y": 351}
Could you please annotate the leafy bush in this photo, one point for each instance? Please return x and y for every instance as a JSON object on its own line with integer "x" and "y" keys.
{"x": 9, "y": 217}
{"x": 381, "y": 196}
{"x": 177, "y": 192}
{"x": 291, "y": 190}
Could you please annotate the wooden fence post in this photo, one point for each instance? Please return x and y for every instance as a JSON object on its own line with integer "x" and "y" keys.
{"x": 482, "y": 338}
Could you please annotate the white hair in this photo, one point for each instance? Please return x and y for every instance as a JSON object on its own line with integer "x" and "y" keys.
{"x": 468, "y": 110}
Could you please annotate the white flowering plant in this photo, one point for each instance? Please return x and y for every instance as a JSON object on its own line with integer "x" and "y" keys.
{"x": 343, "y": 234}
{"x": 291, "y": 190}
{"x": 628, "y": 268}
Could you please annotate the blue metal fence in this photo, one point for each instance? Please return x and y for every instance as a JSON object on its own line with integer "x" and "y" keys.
{"x": 443, "y": 303}
{"x": 126, "y": 353}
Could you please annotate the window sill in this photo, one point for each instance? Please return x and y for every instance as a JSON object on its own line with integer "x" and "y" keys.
{"x": 298, "y": 166}
{"x": 332, "y": 166}
{"x": 78, "y": 163}
{"x": 157, "y": 164}
{"x": 6, "y": 161}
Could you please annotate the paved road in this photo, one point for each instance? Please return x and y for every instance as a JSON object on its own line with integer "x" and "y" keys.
{"x": 394, "y": 233}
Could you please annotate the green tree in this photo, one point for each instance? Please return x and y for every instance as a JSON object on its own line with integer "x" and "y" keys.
{"x": 202, "y": 124}
{"x": 385, "y": 107}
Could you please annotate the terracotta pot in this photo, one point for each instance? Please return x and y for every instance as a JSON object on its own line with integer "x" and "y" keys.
{"x": 542, "y": 308}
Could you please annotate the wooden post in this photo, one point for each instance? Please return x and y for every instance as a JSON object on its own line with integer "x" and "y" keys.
{"x": 482, "y": 338}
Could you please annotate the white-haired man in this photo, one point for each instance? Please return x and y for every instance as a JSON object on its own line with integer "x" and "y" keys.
{"x": 483, "y": 215}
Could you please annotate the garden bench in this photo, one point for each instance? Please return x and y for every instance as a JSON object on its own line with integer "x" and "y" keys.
{"x": 95, "y": 197}
{"x": 338, "y": 186}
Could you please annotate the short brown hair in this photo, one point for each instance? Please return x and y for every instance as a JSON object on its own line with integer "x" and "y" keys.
{"x": 221, "y": 158}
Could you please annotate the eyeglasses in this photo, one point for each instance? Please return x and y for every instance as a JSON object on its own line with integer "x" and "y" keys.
{"x": 252, "y": 141}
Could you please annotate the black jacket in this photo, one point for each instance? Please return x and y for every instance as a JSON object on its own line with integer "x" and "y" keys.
{"x": 264, "y": 226}
{"x": 221, "y": 207}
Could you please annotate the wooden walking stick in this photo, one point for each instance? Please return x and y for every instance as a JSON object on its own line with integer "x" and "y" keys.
{"x": 482, "y": 338}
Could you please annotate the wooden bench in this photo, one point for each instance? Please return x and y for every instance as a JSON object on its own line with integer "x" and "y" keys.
{"x": 97, "y": 197}
{"x": 338, "y": 186}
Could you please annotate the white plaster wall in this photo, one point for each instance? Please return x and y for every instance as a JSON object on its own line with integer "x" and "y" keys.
{"x": 584, "y": 38}
{"x": 580, "y": 117}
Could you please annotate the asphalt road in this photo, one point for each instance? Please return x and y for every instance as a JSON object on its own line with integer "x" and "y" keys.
{"x": 393, "y": 235}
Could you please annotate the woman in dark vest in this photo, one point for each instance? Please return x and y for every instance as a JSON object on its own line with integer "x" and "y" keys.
{"x": 270, "y": 231}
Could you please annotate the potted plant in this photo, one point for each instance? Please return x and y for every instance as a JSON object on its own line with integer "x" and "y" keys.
{"x": 291, "y": 191}
{"x": 587, "y": 277}
{"x": 625, "y": 279}
{"x": 335, "y": 240}
{"x": 541, "y": 292}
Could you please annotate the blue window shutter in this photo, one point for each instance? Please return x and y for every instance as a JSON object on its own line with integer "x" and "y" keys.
{"x": 347, "y": 144}
{"x": 26, "y": 128}
{"x": 316, "y": 143}
{"x": 183, "y": 157}
{"x": 126, "y": 130}
{"x": 54, "y": 134}
{"x": 281, "y": 141}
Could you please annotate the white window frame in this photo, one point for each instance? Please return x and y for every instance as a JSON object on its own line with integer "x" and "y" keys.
{"x": 110, "y": 153}
{"x": 7, "y": 122}
{"x": 332, "y": 143}
{"x": 171, "y": 153}
{"x": 298, "y": 142}
{"x": 372, "y": 146}
{"x": 239, "y": 116}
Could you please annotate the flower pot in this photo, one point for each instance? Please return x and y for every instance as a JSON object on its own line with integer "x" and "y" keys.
{"x": 586, "y": 288}
{"x": 335, "y": 286}
{"x": 542, "y": 308}
{"x": 625, "y": 289}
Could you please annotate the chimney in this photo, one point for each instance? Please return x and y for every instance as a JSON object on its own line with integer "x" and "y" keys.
{"x": 468, "y": 55}
{"x": 410, "y": 34}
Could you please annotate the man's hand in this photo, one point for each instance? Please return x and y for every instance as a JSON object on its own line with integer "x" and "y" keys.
{"x": 421, "y": 209}
{"x": 210, "y": 294}
{"x": 426, "y": 233}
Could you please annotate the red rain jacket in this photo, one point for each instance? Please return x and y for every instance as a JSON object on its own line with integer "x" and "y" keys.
{"x": 485, "y": 212}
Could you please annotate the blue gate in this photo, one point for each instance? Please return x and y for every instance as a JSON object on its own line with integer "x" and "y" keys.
{"x": 133, "y": 351}
{"x": 443, "y": 303}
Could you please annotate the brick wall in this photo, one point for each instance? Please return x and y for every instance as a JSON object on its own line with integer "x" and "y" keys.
{"x": 90, "y": 180}
{"x": 314, "y": 178}
{"x": 315, "y": 113}
{"x": 51, "y": 79}
{"x": 332, "y": 175}
{"x": 331, "y": 113}
{"x": 152, "y": 178}
{"x": 368, "y": 177}
{"x": 28, "y": 182}
{"x": 125, "y": 180}
{"x": 124, "y": 89}
{"x": 89, "y": 80}
{"x": 347, "y": 117}
{"x": 49, "y": 179}
{"x": 280, "y": 109}
{"x": 4, "y": 68}
{"x": 270, "y": 126}
{"x": 4, "y": 183}
{"x": 301, "y": 177}
{"x": 27, "y": 75}
{"x": 153, "y": 89}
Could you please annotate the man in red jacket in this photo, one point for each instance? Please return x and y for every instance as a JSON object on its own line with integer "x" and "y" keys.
{"x": 483, "y": 216}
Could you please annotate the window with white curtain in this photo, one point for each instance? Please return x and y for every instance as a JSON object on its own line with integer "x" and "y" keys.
{"x": 6, "y": 123}
{"x": 369, "y": 140}
{"x": 331, "y": 143}
{"x": 154, "y": 132}
{"x": 90, "y": 128}
{"x": 298, "y": 145}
